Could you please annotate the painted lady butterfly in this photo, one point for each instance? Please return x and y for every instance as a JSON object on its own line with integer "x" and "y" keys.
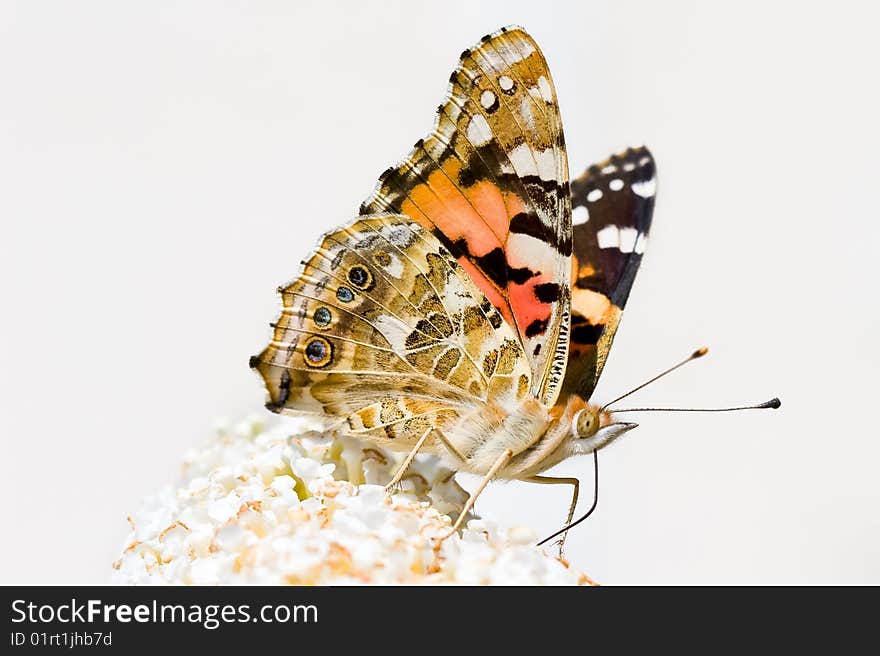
{"x": 469, "y": 309}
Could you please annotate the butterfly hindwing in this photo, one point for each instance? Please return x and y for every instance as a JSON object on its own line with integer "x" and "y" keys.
{"x": 612, "y": 204}
{"x": 491, "y": 184}
{"x": 385, "y": 330}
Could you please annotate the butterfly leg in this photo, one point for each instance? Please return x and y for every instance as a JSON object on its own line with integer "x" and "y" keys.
{"x": 406, "y": 463}
{"x": 494, "y": 469}
{"x": 552, "y": 480}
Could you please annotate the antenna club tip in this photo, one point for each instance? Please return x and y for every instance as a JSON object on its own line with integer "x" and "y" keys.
{"x": 774, "y": 403}
{"x": 700, "y": 352}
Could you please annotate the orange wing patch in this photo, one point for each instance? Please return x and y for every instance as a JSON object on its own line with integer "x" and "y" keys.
{"x": 491, "y": 183}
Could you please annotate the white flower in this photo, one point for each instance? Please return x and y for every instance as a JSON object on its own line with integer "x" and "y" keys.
{"x": 308, "y": 469}
{"x": 224, "y": 508}
{"x": 259, "y": 504}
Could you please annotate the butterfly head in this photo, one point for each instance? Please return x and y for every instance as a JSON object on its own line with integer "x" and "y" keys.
{"x": 597, "y": 426}
{"x": 592, "y": 427}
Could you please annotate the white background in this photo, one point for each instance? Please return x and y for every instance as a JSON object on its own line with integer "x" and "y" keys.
{"x": 163, "y": 168}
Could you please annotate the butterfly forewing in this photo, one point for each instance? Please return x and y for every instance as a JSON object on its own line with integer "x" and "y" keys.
{"x": 612, "y": 204}
{"x": 491, "y": 184}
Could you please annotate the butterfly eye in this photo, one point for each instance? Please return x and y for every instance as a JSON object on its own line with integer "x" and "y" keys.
{"x": 584, "y": 424}
{"x": 360, "y": 277}
{"x": 322, "y": 317}
{"x": 318, "y": 352}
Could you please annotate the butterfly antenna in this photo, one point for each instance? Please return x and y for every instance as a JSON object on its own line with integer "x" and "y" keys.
{"x": 772, "y": 403}
{"x": 699, "y": 353}
{"x": 592, "y": 508}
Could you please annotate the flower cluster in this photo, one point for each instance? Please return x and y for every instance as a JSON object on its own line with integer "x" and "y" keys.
{"x": 292, "y": 503}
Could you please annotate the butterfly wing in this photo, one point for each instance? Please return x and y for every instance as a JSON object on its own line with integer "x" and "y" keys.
{"x": 491, "y": 184}
{"x": 612, "y": 204}
{"x": 383, "y": 329}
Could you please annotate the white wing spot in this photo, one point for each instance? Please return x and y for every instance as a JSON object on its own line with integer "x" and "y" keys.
{"x": 395, "y": 267}
{"x": 616, "y": 184}
{"x": 541, "y": 163}
{"x": 522, "y": 160}
{"x": 398, "y": 235}
{"x": 524, "y": 50}
{"x": 394, "y": 330}
{"x": 546, "y": 164}
{"x": 645, "y": 189}
{"x": 526, "y": 110}
{"x": 609, "y": 169}
{"x": 580, "y": 215}
{"x": 627, "y": 239}
{"x": 487, "y": 99}
{"x": 545, "y": 89}
{"x": 512, "y": 55}
{"x": 478, "y": 130}
{"x": 505, "y": 83}
{"x": 629, "y": 166}
{"x": 594, "y": 195}
{"x": 608, "y": 237}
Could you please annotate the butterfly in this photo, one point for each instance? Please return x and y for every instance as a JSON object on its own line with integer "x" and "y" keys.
{"x": 469, "y": 308}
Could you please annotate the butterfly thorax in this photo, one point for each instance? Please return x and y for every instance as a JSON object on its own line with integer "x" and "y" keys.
{"x": 539, "y": 436}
